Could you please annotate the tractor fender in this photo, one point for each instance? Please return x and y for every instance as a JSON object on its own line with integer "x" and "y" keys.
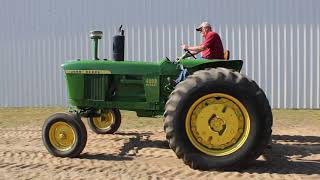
{"x": 195, "y": 65}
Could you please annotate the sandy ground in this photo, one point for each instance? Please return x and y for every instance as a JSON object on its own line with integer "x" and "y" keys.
{"x": 142, "y": 153}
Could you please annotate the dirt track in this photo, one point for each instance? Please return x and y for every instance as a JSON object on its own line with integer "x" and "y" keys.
{"x": 141, "y": 154}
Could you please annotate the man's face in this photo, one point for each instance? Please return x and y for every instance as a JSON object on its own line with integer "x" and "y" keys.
{"x": 204, "y": 31}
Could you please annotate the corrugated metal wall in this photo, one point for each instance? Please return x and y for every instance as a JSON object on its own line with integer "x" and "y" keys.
{"x": 278, "y": 41}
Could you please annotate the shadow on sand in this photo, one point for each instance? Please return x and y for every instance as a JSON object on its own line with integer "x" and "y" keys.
{"x": 287, "y": 155}
{"x": 131, "y": 148}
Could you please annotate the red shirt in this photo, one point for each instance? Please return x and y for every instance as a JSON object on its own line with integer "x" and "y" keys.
{"x": 214, "y": 46}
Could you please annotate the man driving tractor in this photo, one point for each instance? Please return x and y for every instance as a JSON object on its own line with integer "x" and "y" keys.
{"x": 211, "y": 47}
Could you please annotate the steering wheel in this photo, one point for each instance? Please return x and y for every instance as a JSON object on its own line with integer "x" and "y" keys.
{"x": 186, "y": 50}
{"x": 172, "y": 61}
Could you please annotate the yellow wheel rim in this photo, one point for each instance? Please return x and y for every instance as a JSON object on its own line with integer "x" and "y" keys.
{"x": 104, "y": 121}
{"x": 217, "y": 124}
{"x": 62, "y": 136}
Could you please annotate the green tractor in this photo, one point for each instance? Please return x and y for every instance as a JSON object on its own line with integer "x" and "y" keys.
{"x": 214, "y": 116}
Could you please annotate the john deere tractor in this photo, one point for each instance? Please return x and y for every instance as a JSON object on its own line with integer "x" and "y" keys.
{"x": 214, "y": 116}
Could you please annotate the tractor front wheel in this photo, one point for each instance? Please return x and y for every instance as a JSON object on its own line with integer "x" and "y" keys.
{"x": 217, "y": 118}
{"x": 107, "y": 123}
{"x": 64, "y": 135}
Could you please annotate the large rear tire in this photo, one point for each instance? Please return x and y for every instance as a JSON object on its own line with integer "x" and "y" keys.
{"x": 217, "y": 118}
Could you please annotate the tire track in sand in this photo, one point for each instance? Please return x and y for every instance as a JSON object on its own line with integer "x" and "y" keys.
{"x": 141, "y": 155}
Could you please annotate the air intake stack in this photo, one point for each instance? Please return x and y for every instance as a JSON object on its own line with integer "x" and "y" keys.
{"x": 95, "y": 35}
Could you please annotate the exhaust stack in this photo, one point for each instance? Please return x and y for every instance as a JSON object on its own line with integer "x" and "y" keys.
{"x": 118, "y": 45}
{"x": 95, "y": 35}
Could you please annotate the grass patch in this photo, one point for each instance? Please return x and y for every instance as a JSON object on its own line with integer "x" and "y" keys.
{"x": 17, "y": 117}
{"x": 297, "y": 117}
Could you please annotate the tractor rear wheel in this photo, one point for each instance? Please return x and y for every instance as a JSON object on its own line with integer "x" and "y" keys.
{"x": 64, "y": 135}
{"x": 217, "y": 118}
{"x": 108, "y": 123}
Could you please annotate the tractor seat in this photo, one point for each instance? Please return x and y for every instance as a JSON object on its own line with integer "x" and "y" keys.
{"x": 226, "y": 55}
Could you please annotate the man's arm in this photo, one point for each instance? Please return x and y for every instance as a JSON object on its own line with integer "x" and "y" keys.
{"x": 194, "y": 49}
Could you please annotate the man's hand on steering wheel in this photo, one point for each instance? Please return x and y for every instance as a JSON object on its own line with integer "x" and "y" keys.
{"x": 185, "y": 48}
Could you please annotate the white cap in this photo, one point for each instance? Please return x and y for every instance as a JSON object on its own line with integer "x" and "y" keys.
{"x": 204, "y": 24}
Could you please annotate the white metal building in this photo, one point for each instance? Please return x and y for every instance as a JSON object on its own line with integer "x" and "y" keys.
{"x": 277, "y": 39}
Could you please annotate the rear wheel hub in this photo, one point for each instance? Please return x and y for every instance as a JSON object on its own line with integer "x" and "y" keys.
{"x": 217, "y": 124}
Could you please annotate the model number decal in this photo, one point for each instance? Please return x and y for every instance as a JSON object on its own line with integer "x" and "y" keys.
{"x": 151, "y": 82}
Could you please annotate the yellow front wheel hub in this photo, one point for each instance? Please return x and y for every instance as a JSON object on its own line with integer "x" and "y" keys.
{"x": 104, "y": 121}
{"x": 62, "y": 136}
{"x": 217, "y": 124}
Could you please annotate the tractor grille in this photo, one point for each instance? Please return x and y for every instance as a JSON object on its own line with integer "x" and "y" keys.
{"x": 95, "y": 86}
